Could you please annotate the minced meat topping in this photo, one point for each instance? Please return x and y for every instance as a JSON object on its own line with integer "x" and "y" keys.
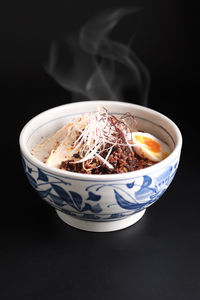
{"x": 122, "y": 158}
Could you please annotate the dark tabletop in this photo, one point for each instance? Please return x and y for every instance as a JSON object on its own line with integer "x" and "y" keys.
{"x": 40, "y": 256}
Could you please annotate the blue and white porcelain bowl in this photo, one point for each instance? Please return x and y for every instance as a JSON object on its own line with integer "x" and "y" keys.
{"x": 100, "y": 202}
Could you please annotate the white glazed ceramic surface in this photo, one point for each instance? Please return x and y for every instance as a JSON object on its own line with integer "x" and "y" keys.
{"x": 100, "y": 202}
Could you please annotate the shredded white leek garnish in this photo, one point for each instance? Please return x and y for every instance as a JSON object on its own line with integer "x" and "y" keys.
{"x": 102, "y": 132}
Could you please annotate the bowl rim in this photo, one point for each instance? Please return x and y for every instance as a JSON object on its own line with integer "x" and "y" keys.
{"x": 101, "y": 177}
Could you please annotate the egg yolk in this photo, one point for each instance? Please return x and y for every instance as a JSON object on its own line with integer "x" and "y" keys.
{"x": 153, "y": 145}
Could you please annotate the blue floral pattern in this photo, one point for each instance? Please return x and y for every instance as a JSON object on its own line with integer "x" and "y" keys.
{"x": 125, "y": 197}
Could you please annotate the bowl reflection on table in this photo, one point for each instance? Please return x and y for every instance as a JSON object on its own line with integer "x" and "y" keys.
{"x": 100, "y": 202}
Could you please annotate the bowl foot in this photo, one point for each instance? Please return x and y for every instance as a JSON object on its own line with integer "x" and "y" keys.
{"x": 101, "y": 226}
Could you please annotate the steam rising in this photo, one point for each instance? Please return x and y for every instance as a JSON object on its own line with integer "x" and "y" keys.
{"x": 93, "y": 66}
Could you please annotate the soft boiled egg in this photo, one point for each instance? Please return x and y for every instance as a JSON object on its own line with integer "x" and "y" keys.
{"x": 148, "y": 146}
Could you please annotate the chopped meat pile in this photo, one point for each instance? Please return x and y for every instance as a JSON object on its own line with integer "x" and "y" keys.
{"x": 122, "y": 158}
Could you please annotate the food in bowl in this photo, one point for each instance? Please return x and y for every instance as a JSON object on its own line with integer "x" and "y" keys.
{"x": 101, "y": 143}
{"x": 104, "y": 202}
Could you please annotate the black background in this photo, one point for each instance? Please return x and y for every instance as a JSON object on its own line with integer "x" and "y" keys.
{"x": 41, "y": 257}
